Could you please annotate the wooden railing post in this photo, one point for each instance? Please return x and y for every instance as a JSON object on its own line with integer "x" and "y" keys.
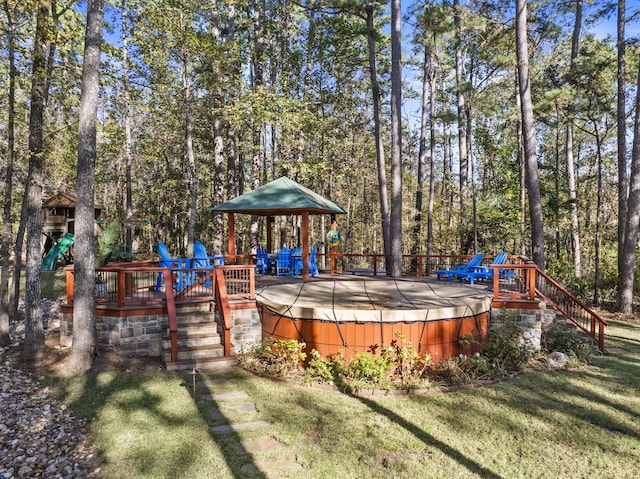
{"x": 222, "y": 302}
{"x": 171, "y": 314}
{"x": 531, "y": 282}
{"x": 120, "y": 293}
{"x": 69, "y": 282}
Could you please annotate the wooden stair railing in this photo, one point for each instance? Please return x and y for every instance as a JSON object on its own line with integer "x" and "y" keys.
{"x": 536, "y": 283}
{"x": 224, "y": 310}
{"x": 571, "y": 307}
{"x": 232, "y": 282}
{"x": 171, "y": 314}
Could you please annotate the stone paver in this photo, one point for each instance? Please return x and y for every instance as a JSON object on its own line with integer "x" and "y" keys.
{"x": 226, "y": 396}
{"x": 215, "y": 383}
{"x": 240, "y": 406}
{"x": 239, "y": 426}
{"x": 262, "y": 449}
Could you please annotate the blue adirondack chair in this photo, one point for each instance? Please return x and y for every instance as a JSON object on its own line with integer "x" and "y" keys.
{"x": 284, "y": 264}
{"x": 179, "y": 265}
{"x": 313, "y": 267}
{"x": 203, "y": 264}
{"x": 262, "y": 260}
{"x": 473, "y": 263}
{"x": 487, "y": 273}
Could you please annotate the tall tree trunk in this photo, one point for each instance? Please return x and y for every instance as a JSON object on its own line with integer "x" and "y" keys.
{"x": 432, "y": 150}
{"x": 217, "y": 134}
{"x": 623, "y": 191}
{"x": 396, "y": 142}
{"x": 377, "y": 128}
{"x": 34, "y": 329}
{"x": 523, "y": 181}
{"x": 528, "y": 136}
{"x": 625, "y": 301}
{"x": 422, "y": 154}
{"x": 598, "y": 231}
{"x": 192, "y": 174}
{"x": 462, "y": 121}
{"x": 571, "y": 174}
{"x": 5, "y": 300}
{"x": 128, "y": 142}
{"x": 256, "y": 132}
{"x": 84, "y": 344}
{"x": 233, "y": 172}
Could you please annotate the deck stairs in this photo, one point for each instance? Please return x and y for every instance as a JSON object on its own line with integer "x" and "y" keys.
{"x": 199, "y": 343}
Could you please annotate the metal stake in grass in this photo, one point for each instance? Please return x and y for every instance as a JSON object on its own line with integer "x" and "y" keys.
{"x": 193, "y": 376}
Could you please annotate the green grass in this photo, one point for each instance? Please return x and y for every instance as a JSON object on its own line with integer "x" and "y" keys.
{"x": 547, "y": 424}
{"x": 52, "y": 283}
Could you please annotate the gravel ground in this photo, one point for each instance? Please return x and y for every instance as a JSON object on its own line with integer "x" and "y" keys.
{"x": 39, "y": 436}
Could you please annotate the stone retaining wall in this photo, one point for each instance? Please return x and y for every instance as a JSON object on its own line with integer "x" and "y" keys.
{"x": 532, "y": 323}
{"x": 132, "y": 335}
{"x": 142, "y": 335}
{"x": 246, "y": 331}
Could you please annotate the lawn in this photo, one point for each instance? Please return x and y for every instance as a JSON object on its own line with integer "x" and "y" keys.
{"x": 147, "y": 423}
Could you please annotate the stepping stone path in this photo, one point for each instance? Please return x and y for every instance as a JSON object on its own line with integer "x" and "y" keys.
{"x": 234, "y": 412}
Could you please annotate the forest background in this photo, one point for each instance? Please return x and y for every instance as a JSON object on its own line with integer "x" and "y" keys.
{"x": 202, "y": 100}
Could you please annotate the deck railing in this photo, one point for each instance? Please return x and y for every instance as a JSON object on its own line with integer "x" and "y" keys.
{"x": 525, "y": 284}
{"x": 143, "y": 285}
{"x": 571, "y": 307}
{"x": 129, "y": 284}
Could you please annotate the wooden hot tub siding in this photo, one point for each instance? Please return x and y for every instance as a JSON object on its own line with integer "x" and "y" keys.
{"x": 439, "y": 338}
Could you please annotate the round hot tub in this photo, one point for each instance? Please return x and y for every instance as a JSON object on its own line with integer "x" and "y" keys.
{"x": 354, "y": 315}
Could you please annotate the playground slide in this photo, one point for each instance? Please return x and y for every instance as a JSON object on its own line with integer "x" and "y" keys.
{"x": 61, "y": 247}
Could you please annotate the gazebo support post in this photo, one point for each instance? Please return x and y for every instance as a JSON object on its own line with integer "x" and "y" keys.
{"x": 232, "y": 236}
{"x": 269, "y": 228}
{"x": 305, "y": 246}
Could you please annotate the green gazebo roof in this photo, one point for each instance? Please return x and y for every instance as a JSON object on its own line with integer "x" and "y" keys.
{"x": 280, "y": 197}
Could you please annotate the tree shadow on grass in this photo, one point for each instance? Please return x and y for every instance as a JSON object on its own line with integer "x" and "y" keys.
{"x": 147, "y": 430}
{"x": 206, "y": 392}
{"x": 429, "y": 439}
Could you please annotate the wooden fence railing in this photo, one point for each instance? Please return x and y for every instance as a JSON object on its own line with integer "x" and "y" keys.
{"x": 142, "y": 284}
{"x": 129, "y": 285}
{"x": 527, "y": 284}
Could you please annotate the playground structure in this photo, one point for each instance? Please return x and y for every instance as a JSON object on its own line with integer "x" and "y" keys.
{"x": 58, "y": 228}
{"x": 61, "y": 248}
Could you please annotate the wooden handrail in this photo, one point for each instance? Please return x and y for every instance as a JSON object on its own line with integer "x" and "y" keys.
{"x": 171, "y": 314}
{"x": 530, "y": 281}
{"x": 571, "y": 307}
{"x": 222, "y": 305}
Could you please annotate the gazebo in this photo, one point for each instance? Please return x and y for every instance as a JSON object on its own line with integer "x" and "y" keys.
{"x": 278, "y": 198}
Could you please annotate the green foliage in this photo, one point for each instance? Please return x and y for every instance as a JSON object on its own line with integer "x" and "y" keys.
{"x": 106, "y": 243}
{"x": 319, "y": 369}
{"x": 462, "y": 369}
{"x": 365, "y": 370}
{"x": 505, "y": 351}
{"x": 570, "y": 342}
{"x": 275, "y": 357}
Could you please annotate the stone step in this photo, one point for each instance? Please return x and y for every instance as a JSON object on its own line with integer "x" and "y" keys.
{"x": 242, "y": 426}
{"x": 201, "y": 365}
{"x": 196, "y": 352}
{"x": 192, "y": 307}
{"x": 184, "y": 330}
{"x": 195, "y": 319}
{"x": 191, "y": 341}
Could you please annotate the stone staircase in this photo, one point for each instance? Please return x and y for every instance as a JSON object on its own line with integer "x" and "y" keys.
{"x": 199, "y": 343}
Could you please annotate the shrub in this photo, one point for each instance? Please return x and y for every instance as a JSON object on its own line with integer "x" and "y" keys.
{"x": 505, "y": 351}
{"x": 462, "y": 369}
{"x": 364, "y": 371}
{"x": 276, "y": 357}
{"x": 320, "y": 369}
{"x": 575, "y": 345}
